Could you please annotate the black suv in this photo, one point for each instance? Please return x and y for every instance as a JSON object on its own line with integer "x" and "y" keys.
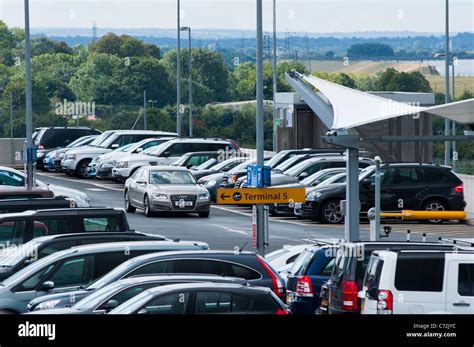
{"x": 49, "y": 138}
{"x": 18, "y": 228}
{"x": 40, "y": 247}
{"x": 404, "y": 186}
{"x": 349, "y": 270}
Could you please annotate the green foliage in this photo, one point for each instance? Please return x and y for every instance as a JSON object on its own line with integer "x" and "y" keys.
{"x": 124, "y": 46}
{"x": 362, "y": 50}
{"x": 392, "y": 80}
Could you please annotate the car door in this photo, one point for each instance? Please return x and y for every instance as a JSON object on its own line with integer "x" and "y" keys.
{"x": 409, "y": 188}
{"x": 140, "y": 188}
{"x": 460, "y": 293}
{"x": 176, "y": 303}
{"x": 132, "y": 187}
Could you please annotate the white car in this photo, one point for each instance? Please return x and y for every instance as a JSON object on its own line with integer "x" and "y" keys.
{"x": 419, "y": 282}
{"x": 101, "y": 166}
{"x": 167, "y": 153}
{"x": 282, "y": 259}
{"x": 77, "y": 160}
{"x": 12, "y": 177}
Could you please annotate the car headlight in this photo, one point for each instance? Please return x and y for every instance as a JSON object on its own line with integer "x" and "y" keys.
{"x": 203, "y": 196}
{"x": 71, "y": 156}
{"x": 210, "y": 183}
{"x": 159, "y": 196}
{"x": 121, "y": 164}
{"x": 313, "y": 196}
{"x": 47, "y": 305}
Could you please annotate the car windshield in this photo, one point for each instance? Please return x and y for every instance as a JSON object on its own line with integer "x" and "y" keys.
{"x": 276, "y": 158}
{"x": 171, "y": 177}
{"x": 13, "y": 255}
{"x": 99, "y": 139}
{"x": 156, "y": 150}
{"x": 293, "y": 171}
{"x": 125, "y": 148}
{"x": 242, "y": 166}
{"x": 367, "y": 172}
{"x": 78, "y": 141}
{"x": 97, "y": 297}
{"x": 211, "y": 163}
{"x": 288, "y": 163}
{"x": 320, "y": 176}
{"x": 339, "y": 178}
{"x": 225, "y": 163}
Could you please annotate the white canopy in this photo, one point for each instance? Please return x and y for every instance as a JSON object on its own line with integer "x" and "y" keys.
{"x": 354, "y": 108}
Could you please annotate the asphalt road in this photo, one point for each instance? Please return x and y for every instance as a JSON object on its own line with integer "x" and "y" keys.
{"x": 230, "y": 226}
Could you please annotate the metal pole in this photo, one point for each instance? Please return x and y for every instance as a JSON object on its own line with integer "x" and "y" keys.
{"x": 144, "y": 111}
{"x": 455, "y": 153}
{"x": 178, "y": 74}
{"x": 351, "y": 225}
{"x": 29, "y": 108}
{"x": 190, "y": 81}
{"x": 260, "y": 134}
{"x": 376, "y": 237}
{"x": 447, "y": 146}
{"x": 12, "y": 150}
{"x": 274, "y": 68}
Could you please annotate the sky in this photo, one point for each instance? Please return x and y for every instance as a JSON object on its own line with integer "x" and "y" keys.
{"x": 312, "y": 16}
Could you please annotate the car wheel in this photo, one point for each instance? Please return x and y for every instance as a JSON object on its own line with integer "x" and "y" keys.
{"x": 81, "y": 169}
{"x": 204, "y": 214}
{"x": 435, "y": 205}
{"x": 128, "y": 206}
{"x": 146, "y": 207}
{"x": 331, "y": 212}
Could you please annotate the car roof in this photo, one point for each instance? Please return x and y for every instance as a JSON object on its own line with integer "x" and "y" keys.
{"x": 416, "y": 165}
{"x": 200, "y": 140}
{"x": 200, "y": 153}
{"x": 97, "y": 234}
{"x": 165, "y": 168}
{"x": 206, "y": 285}
{"x": 145, "y": 132}
{"x": 177, "y": 277}
{"x": 63, "y": 212}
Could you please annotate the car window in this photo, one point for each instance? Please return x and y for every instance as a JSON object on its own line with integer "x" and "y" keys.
{"x": 150, "y": 144}
{"x": 8, "y": 178}
{"x": 110, "y": 260}
{"x": 213, "y": 302}
{"x": 57, "y": 246}
{"x": 198, "y": 160}
{"x": 387, "y": 176}
{"x": 19, "y": 230}
{"x": 300, "y": 262}
{"x": 466, "y": 280}
{"x": 176, "y": 150}
{"x": 6, "y": 232}
{"x": 74, "y": 272}
{"x": 110, "y": 223}
{"x": 33, "y": 281}
{"x": 327, "y": 270}
{"x": 234, "y": 270}
{"x": 408, "y": 176}
{"x": 174, "y": 303}
{"x": 51, "y": 226}
{"x": 171, "y": 177}
{"x": 423, "y": 273}
{"x": 372, "y": 275}
{"x": 127, "y": 294}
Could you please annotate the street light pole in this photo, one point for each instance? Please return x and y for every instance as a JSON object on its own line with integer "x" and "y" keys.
{"x": 178, "y": 73}
{"x": 447, "y": 146}
{"x": 144, "y": 111}
{"x": 274, "y": 68}
{"x": 259, "y": 124}
{"x": 455, "y": 154}
{"x": 190, "y": 81}
{"x": 29, "y": 108}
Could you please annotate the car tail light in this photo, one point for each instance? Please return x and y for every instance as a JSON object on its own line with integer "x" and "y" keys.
{"x": 277, "y": 286}
{"x": 350, "y": 300}
{"x": 459, "y": 188}
{"x": 304, "y": 286}
{"x": 281, "y": 311}
{"x": 40, "y": 146}
{"x": 235, "y": 145}
{"x": 384, "y": 301}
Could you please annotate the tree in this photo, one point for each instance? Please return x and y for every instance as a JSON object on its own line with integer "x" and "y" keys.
{"x": 43, "y": 45}
{"x": 124, "y": 46}
{"x": 392, "y": 80}
{"x": 7, "y": 45}
{"x": 364, "y": 50}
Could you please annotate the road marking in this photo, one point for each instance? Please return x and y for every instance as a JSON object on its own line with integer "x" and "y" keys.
{"x": 81, "y": 181}
{"x": 96, "y": 189}
{"x": 237, "y": 231}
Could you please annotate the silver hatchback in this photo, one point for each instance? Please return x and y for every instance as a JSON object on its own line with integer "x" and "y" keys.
{"x": 165, "y": 189}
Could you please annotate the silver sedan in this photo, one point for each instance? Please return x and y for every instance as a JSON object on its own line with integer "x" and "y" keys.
{"x": 165, "y": 189}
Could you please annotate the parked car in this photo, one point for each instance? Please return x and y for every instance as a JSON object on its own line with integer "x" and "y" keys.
{"x": 14, "y": 259}
{"x": 169, "y": 152}
{"x": 205, "y": 298}
{"x": 32, "y": 203}
{"x": 212, "y": 166}
{"x": 428, "y": 281}
{"x": 49, "y": 138}
{"x": 77, "y": 160}
{"x": 49, "y": 161}
{"x": 16, "y": 178}
{"x": 165, "y": 189}
{"x": 101, "y": 166}
{"x": 282, "y": 259}
{"x": 404, "y": 186}
{"x": 245, "y": 265}
{"x": 306, "y": 168}
{"x": 193, "y": 159}
{"x": 115, "y": 294}
{"x": 19, "y": 228}
{"x": 350, "y": 266}
{"x": 73, "y": 268}
{"x": 309, "y": 272}
{"x": 286, "y": 154}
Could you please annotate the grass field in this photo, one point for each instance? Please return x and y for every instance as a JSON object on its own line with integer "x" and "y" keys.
{"x": 460, "y": 84}
{"x": 360, "y": 66}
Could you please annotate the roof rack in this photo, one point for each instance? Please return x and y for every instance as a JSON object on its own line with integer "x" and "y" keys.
{"x": 457, "y": 242}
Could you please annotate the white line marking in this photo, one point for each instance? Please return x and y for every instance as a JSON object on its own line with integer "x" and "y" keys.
{"x": 81, "y": 181}
{"x": 96, "y": 189}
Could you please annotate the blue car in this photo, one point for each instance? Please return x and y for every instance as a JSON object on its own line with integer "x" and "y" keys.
{"x": 304, "y": 280}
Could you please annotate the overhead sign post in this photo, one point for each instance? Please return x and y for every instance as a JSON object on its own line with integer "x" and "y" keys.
{"x": 256, "y": 196}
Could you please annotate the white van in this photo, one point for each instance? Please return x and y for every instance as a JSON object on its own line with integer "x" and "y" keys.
{"x": 419, "y": 282}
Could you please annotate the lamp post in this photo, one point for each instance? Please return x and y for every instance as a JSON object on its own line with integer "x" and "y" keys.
{"x": 29, "y": 107}
{"x": 178, "y": 73}
{"x": 447, "y": 146}
{"x": 274, "y": 70}
{"x": 455, "y": 153}
{"x": 190, "y": 80}
{"x": 152, "y": 102}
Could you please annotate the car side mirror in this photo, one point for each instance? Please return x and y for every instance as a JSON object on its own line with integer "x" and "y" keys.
{"x": 111, "y": 304}
{"x": 366, "y": 182}
{"x": 166, "y": 154}
{"x": 115, "y": 145}
{"x": 139, "y": 150}
{"x": 303, "y": 175}
{"x": 140, "y": 181}
{"x": 143, "y": 311}
{"x": 315, "y": 183}
{"x": 47, "y": 286}
{"x": 189, "y": 166}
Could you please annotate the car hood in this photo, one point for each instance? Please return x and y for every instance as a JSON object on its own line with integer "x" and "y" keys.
{"x": 111, "y": 156}
{"x": 216, "y": 176}
{"x": 65, "y": 310}
{"x": 279, "y": 179}
{"x": 64, "y": 297}
{"x": 178, "y": 189}
{"x": 140, "y": 157}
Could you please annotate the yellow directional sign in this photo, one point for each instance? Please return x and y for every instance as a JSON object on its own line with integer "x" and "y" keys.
{"x": 251, "y": 196}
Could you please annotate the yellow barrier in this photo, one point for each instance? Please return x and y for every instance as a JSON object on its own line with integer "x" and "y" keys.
{"x": 417, "y": 215}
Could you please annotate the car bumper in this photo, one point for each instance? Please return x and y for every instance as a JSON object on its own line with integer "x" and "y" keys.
{"x": 121, "y": 173}
{"x": 68, "y": 165}
{"x": 307, "y": 209}
{"x": 104, "y": 173}
{"x": 163, "y": 206}
{"x": 300, "y": 304}
{"x": 283, "y": 209}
